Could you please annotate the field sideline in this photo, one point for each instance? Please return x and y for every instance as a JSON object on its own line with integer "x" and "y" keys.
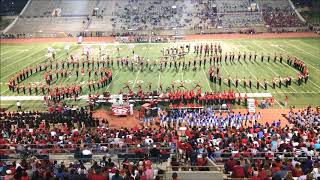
{"x": 14, "y": 57}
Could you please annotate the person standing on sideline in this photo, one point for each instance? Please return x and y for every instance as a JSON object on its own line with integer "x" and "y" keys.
{"x": 19, "y": 106}
{"x": 286, "y": 101}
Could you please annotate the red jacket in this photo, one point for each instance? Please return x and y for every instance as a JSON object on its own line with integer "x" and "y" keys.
{"x": 238, "y": 172}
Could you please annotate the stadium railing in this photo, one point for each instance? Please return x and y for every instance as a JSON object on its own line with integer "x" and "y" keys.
{"x": 114, "y": 32}
{"x": 168, "y": 32}
{"x": 94, "y": 147}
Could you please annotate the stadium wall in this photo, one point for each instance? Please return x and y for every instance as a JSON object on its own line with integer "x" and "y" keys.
{"x": 163, "y": 32}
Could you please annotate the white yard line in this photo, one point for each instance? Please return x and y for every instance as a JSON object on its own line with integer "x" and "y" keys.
{"x": 135, "y": 81}
{"x": 159, "y": 79}
{"x": 112, "y": 80}
{"x": 205, "y": 76}
{"x": 306, "y": 44}
{"x": 13, "y": 55}
{"x": 21, "y": 59}
{"x": 8, "y": 51}
{"x": 290, "y": 44}
{"x": 144, "y": 58}
{"x": 278, "y": 103}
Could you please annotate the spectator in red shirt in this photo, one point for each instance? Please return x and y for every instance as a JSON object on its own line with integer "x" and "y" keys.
{"x": 263, "y": 174}
{"x": 98, "y": 176}
{"x": 230, "y": 164}
{"x": 297, "y": 171}
{"x": 238, "y": 171}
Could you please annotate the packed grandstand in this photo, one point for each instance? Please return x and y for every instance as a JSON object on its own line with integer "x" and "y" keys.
{"x": 97, "y": 120}
{"x": 102, "y": 18}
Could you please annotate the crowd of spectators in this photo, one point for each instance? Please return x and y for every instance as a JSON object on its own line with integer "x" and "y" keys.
{"x": 36, "y": 169}
{"x": 282, "y": 19}
{"x": 140, "y": 15}
{"x": 279, "y": 14}
{"x": 251, "y": 146}
{"x": 174, "y": 15}
{"x": 277, "y": 168}
{"x": 293, "y": 152}
{"x": 205, "y": 15}
{"x": 218, "y": 136}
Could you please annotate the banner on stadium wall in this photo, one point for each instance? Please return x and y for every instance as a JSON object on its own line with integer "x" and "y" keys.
{"x": 251, "y": 107}
{"x": 120, "y": 110}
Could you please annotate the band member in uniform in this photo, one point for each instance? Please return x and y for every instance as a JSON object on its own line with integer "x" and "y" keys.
{"x": 150, "y": 86}
{"x": 274, "y": 83}
{"x": 23, "y": 89}
{"x": 255, "y": 56}
{"x": 36, "y": 89}
{"x": 280, "y": 82}
{"x": 29, "y": 89}
{"x": 160, "y": 86}
{"x": 225, "y": 58}
{"x": 265, "y": 84}
{"x": 232, "y": 56}
{"x": 237, "y": 82}
{"x": 290, "y": 80}
{"x": 299, "y": 79}
{"x": 306, "y": 78}
{"x": 288, "y": 60}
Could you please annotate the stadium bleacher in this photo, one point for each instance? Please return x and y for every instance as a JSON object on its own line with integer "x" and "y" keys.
{"x": 137, "y": 16}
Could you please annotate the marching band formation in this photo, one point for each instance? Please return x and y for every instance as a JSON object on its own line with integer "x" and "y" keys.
{"x": 100, "y": 75}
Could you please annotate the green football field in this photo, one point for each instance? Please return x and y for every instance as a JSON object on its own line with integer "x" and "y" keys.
{"x": 15, "y": 57}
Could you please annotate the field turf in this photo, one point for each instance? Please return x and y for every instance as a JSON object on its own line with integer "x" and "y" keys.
{"x": 15, "y": 57}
